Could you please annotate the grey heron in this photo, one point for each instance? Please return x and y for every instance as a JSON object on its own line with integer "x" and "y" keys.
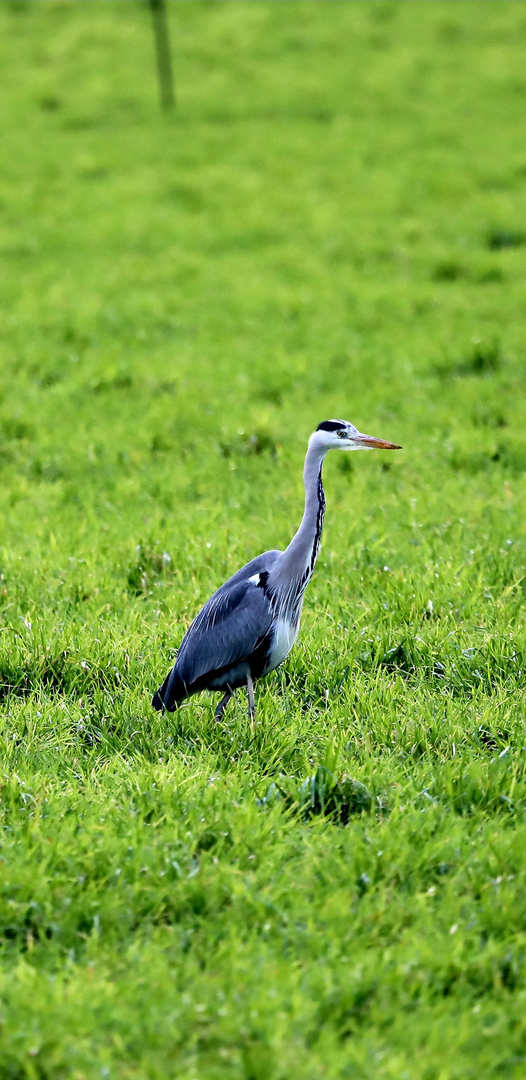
{"x": 250, "y": 624}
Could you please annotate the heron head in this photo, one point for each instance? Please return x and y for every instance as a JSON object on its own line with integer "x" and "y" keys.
{"x": 342, "y": 435}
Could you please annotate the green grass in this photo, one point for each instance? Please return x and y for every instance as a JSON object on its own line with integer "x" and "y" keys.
{"x": 332, "y": 224}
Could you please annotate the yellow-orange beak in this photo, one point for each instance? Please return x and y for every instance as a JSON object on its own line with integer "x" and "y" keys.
{"x": 370, "y": 443}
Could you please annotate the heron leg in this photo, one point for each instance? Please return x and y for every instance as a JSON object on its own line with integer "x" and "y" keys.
{"x": 222, "y": 705}
{"x": 251, "y": 706}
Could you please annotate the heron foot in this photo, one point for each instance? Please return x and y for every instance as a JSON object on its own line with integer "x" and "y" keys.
{"x": 222, "y": 706}
{"x": 251, "y": 706}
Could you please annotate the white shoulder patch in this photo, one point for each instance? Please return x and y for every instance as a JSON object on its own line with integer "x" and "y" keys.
{"x": 255, "y": 579}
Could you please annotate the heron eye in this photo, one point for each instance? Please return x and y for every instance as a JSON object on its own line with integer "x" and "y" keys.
{"x": 342, "y": 434}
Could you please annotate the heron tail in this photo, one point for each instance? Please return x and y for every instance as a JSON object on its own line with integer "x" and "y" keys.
{"x": 171, "y": 693}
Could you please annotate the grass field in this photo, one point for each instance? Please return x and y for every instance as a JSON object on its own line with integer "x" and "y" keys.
{"x": 333, "y": 223}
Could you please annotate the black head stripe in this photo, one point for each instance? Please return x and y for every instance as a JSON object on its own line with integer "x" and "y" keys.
{"x": 331, "y": 425}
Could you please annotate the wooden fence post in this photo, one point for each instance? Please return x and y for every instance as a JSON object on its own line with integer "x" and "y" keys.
{"x": 162, "y": 49}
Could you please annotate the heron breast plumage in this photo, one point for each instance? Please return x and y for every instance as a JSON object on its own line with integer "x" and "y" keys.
{"x": 285, "y": 632}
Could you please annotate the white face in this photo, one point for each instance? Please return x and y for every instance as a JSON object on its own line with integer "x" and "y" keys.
{"x": 342, "y": 435}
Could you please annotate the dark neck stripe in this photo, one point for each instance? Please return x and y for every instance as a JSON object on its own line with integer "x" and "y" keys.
{"x": 319, "y": 521}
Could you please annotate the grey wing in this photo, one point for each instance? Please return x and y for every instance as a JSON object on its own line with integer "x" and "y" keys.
{"x": 229, "y": 628}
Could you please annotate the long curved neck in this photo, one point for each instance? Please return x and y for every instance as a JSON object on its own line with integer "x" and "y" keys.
{"x": 298, "y": 559}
